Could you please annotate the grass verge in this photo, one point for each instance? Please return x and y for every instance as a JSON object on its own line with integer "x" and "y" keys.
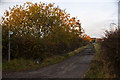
{"x": 96, "y": 69}
{"x": 22, "y": 64}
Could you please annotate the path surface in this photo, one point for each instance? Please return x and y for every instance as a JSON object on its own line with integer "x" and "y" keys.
{"x": 74, "y": 67}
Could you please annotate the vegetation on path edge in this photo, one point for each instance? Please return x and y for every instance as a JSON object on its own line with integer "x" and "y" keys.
{"x": 23, "y": 64}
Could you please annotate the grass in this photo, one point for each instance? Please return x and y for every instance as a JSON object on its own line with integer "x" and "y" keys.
{"x": 17, "y": 65}
{"x": 96, "y": 69}
{"x": 22, "y": 64}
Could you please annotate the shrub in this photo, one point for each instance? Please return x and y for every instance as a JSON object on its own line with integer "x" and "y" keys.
{"x": 40, "y": 30}
{"x": 110, "y": 52}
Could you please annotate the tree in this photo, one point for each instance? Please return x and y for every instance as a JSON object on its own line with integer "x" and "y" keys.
{"x": 38, "y": 19}
{"x": 37, "y": 26}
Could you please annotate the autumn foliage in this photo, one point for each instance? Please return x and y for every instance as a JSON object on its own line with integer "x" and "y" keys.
{"x": 110, "y": 52}
{"x": 40, "y": 30}
{"x": 88, "y": 37}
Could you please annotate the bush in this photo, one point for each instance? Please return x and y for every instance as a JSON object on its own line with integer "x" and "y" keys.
{"x": 40, "y": 30}
{"x": 110, "y": 52}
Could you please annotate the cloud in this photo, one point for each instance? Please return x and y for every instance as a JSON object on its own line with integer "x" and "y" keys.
{"x": 91, "y": 1}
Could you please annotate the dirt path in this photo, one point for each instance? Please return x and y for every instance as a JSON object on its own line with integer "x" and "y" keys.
{"x": 74, "y": 67}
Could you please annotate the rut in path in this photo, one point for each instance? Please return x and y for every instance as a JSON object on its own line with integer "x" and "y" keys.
{"x": 74, "y": 67}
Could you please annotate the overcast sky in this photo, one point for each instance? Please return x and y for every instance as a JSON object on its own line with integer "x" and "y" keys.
{"x": 94, "y": 15}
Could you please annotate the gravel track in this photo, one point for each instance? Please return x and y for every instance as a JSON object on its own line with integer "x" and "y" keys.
{"x": 74, "y": 67}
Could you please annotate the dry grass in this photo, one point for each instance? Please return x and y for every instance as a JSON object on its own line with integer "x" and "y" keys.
{"x": 22, "y": 64}
{"x": 96, "y": 69}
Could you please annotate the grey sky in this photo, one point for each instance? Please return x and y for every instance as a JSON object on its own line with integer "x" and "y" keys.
{"x": 95, "y": 15}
